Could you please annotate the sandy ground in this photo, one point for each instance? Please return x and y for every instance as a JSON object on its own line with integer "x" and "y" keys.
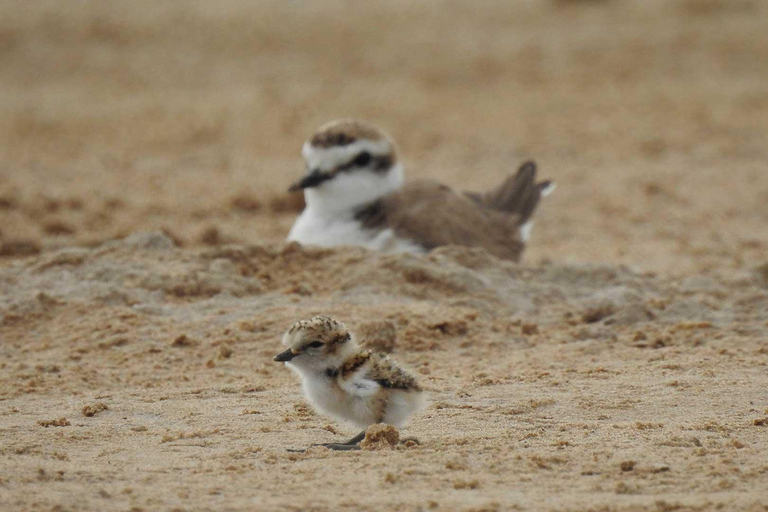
{"x": 622, "y": 366}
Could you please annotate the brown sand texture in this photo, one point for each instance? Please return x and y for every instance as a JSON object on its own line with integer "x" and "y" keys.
{"x": 145, "y": 152}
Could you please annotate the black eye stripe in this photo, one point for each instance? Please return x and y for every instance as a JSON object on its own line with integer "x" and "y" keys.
{"x": 362, "y": 159}
{"x": 382, "y": 163}
{"x": 379, "y": 163}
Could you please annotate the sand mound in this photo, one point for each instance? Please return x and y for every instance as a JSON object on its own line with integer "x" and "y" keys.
{"x": 540, "y": 374}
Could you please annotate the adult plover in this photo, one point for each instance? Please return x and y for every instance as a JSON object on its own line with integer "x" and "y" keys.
{"x": 355, "y": 195}
{"x": 347, "y": 382}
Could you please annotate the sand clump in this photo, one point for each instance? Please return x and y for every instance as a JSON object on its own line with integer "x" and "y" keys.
{"x": 380, "y": 436}
{"x": 379, "y": 336}
{"x": 60, "y": 422}
{"x": 90, "y": 410}
{"x": 182, "y": 340}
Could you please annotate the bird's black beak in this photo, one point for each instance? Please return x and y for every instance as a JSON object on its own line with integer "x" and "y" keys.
{"x": 283, "y": 357}
{"x": 313, "y": 179}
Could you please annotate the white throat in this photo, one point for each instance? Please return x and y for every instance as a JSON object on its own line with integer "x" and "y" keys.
{"x": 329, "y": 218}
{"x": 350, "y": 190}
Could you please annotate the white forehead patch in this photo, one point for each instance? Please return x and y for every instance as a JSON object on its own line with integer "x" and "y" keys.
{"x": 327, "y": 159}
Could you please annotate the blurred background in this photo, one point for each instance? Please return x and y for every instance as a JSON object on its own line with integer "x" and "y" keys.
{"x": 652, "y": 115}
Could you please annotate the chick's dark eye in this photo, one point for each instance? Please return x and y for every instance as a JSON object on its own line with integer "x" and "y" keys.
{"x": 316, "y": 344}
{"x": 363, "y": 159}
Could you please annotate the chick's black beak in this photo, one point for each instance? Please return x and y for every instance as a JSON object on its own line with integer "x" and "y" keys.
{"x": 282, "y": 357}
{"x": 313, "y": 179}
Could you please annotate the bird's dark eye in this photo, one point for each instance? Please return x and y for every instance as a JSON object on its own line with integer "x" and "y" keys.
{"x": 315, "y": 344}
{"x": 363, "y": 159}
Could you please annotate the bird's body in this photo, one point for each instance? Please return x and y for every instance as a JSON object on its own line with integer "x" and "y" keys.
{"x": 344, "y": 228}
{"x": 356, "y": 195}
{"x": 347, "y": 382}
{"x": 366, "y": 389}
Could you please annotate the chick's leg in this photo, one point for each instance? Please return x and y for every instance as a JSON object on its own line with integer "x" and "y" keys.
{"x": 352, "y": 444}
{"x": 356, "y": 440}
{"x": 339, "y": 447}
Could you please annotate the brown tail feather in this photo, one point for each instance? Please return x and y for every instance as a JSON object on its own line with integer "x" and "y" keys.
{"x": 517, "y": 195}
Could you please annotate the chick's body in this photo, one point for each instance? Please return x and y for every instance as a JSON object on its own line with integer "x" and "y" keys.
{"x": 367, "y": 389}
{"x": 345, "y": 381}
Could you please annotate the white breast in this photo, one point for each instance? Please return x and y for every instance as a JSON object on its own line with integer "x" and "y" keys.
{"x": 358, "y": 400}
{"x": 333, "y": 230}
{"x": 330, "y": 399}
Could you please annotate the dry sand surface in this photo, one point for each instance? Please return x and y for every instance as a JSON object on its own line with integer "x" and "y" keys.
{"x": 145, "y": 148}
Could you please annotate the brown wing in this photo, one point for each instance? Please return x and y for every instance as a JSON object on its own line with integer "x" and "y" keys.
{"x": 432, "y": 215}
{"x": 389, "y": 375}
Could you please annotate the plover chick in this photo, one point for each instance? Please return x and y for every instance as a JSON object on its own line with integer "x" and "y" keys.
{"x": 355, "y": 193}
{"x": 347, "y": 382}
